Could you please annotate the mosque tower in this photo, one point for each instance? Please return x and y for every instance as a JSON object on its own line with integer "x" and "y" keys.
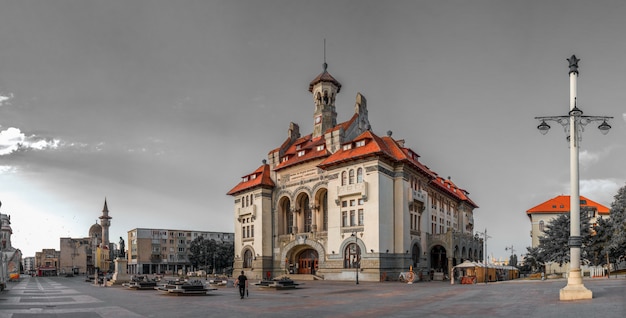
{"x": 105, "y": 223}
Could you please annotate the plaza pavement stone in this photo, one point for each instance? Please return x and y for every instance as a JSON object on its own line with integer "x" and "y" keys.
{"x": 42, "y": 297}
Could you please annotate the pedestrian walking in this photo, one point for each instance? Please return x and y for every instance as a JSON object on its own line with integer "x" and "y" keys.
{"x": 242, "y": 282}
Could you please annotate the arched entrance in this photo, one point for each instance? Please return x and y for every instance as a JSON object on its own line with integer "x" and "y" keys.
{"x": 415, "y": 255}
{"x": 438, "y": 259}
{"x": 307, "y": 261}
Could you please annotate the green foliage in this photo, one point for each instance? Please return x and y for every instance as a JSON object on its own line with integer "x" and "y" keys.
{"x": 617, "y": 230}
{"x": 208, "y": 253}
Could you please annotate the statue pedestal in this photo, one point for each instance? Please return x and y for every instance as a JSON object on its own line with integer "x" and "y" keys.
{"x": 120, "y": 275}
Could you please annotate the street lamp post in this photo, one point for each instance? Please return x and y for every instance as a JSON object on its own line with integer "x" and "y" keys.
{"x": 484, "y": 234}
{"x": 574, "y": 123}
{"x": 357, "y": 256}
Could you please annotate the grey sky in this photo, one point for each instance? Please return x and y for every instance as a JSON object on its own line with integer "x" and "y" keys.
{"x": 161, "y": 106}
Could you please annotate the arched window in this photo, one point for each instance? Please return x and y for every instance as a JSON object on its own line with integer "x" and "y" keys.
{"x": 247, "y": 200}
{"x": 352, "y": 256}
{"x": 359, "y": 175}
{"x": 344, "y": 178}
{"x": 251, "y": 198}
{"x": 324, "y": 205}
{"x": 351, "y": 176}
{"x": 247, "y": 259}
{"x": 542, "y": 226}
{"x": 308, "y": 215}
{"x": 243, "y": 201}
{"x": 289, "y": 217}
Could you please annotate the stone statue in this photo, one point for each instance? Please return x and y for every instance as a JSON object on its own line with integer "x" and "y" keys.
{"x": 122, "y": 247}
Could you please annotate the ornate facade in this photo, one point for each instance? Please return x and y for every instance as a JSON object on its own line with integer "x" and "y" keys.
{"x": 343, "y": 200}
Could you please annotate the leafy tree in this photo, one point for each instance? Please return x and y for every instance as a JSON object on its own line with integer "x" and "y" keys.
{"x": 554, "y": 244}
{"x": 208, "y": 253}
{"x": 617, "y": 231}
{"x": 534, "y": 259}
{"x": 599, "y": 242}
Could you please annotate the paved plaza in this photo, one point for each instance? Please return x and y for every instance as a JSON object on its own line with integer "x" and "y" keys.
{"x": 39, "y": 297}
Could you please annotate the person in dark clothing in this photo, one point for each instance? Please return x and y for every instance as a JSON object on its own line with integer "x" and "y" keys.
{"x": 242, "y": 282}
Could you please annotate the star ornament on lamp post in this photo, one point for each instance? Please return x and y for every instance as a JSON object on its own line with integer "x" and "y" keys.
{"x": 574, "y": 123}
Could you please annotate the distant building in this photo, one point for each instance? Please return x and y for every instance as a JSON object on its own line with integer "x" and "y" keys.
{"x": 156, "y": 251}
{"x": 545, "y": 212}
{"x": 28, "y": 264}
{"x": 343, "y": 200}
{"x": 541, "y": 215}
{"x": 47, "y": 262}
{"x": 83, "y": 255}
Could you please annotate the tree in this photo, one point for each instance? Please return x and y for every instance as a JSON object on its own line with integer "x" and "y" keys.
{"x": 554, "y": 245}
{"x": 210, "y": 254}
{"x": 617, "y": 231}
{"x": 599, "y": 243}
{"x": 534, "y": 259}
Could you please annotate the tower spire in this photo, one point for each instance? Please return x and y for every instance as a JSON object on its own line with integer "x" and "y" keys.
{"x": 325, "y": 65}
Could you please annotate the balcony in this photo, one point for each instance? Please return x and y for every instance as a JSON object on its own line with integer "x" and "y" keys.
{"x": 352, "y": 189}
{"x": 416, "y": 195}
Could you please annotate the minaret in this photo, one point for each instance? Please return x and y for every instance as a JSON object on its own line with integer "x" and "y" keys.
{"x": 324, "y": 89}
{"x": 105, "y": 223}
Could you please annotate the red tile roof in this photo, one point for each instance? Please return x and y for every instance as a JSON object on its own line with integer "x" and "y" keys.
{"x": 448, "y": 186}
{"x": 324, "y": 77}
{"x": 374, "y": 146}
{"x": 259, "y": 178}
{"x": 307, "y": 145}
{"x": 560, "y": 204}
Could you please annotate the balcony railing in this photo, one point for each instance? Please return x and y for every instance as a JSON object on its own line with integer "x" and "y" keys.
{"x": 352, "y": 189}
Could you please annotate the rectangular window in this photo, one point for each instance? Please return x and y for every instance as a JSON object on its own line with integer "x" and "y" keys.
{"x": 347, "y": 147}
{"x": 352, "y": 202}
{"x": 344, "y": 204}
{"x": 352, "y": 218}
{"x": 320, "y": 147}
{"x": 361, "y": 201}
{"x": 360, "y": 143}
{"x": 301, "y": 153}
{"x": 361, "y": 217}
{"x": 252, "y": 230}
{"x": 344, "y": 218}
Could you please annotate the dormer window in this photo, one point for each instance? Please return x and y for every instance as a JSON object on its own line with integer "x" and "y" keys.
{"x": 359, "y": 143}
{"x": 347, "y": 147}
{"x": 285, "y": 158}
{"x": 245, "y": 179}
{"x": 252, "y": 177}
{"x": 320, "y": 148}
{"x": 298, "y": 147}
{"x": 301, "y": 153}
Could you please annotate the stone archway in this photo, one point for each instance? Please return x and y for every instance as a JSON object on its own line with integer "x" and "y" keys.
{"x": 438, "y": 259}
{"x": 307, "y": 261}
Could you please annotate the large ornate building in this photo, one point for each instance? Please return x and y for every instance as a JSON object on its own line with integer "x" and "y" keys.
{"x": 344, "y": 201}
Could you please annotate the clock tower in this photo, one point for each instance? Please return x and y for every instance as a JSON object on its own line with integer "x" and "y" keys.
{"x": 324, "y": 89}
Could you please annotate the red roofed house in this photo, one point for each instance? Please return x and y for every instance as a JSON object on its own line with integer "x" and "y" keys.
{"x": 343, "y": 200}
{"x": 543, "y": 213}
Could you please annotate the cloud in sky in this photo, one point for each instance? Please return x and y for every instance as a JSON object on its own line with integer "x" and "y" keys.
{"x": 4, "y": 98}
{"x": 13, "y": 139}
